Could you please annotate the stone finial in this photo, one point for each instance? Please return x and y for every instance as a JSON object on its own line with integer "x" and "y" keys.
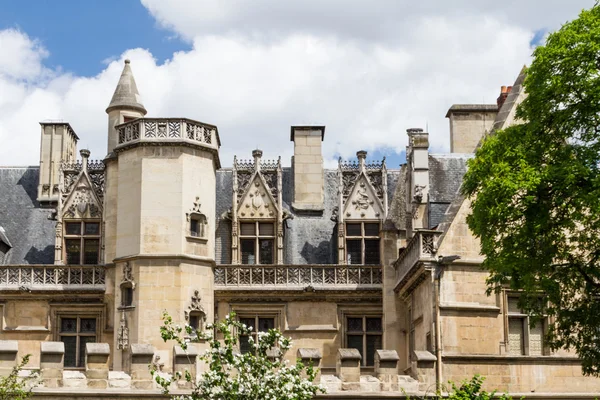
{"x": 127, "y": 61}
{"x": 85, "y": 156}
{"x": 257, "y": 154}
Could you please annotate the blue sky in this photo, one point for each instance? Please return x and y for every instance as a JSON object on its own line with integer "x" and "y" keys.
{"x": 255, "y": 67}
{"x": 82, "y": 34}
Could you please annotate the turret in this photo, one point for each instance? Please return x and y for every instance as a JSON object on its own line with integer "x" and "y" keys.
{"x": 124, "y": 106}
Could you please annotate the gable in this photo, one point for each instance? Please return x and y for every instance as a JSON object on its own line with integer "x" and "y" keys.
{"x": 363, "y": 202}
{"x": 82, "y": 202}
{"x": 257, "y": 202}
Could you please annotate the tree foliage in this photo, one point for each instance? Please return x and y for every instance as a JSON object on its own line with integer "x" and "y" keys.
{"x": 467, "y": 390}
{"x": 261, "y": 373}
{"x": 16, "y": 387}
{"x": 536, "y": 191}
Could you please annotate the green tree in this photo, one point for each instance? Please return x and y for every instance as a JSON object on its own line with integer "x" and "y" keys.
{"x": 535, "y": 190}
{"x": 261, "y": 373}
{"x": 15, "y": 387}
{"x": 467, "y": 390}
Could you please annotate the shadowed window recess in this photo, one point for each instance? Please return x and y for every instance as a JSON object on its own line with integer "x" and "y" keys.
{"x": 257, "y": 242}
{"x": 364, "y": 333}
{"x": 75, "y": 332}
{"x": 258, "y": 324}
{"x": 362, "y": 243}
{"x": 82, "y": 242}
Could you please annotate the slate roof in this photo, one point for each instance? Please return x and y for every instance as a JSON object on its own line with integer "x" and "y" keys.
{"x": 126, "y": 93}
{"x": 26, "y": 224}
{"x": 446, "y": 172}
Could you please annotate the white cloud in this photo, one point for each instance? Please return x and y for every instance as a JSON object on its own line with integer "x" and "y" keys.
{"x": 352, "y": 69}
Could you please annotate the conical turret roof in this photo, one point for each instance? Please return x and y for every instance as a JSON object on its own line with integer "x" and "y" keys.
{"x": 126, "y": 94}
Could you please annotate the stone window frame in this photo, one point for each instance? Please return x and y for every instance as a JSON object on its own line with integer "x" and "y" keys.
{"x": 82, "y": 237}
{"x": 525, "y": 320}
{"x": 364, "y": 311}
{"x": 276, "y": 311}
{"x": 257, "y": 237}
{"x": 57, "y": 312}
{"x": 362, "y": 238}
{"x": 126, "y": 294}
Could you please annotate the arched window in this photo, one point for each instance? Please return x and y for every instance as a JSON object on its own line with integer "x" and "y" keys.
{"x": 197, "y": 226}
{"x": 126, "y": 294}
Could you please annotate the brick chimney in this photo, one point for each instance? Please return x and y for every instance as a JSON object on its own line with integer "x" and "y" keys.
{"x": 504, "y": 91}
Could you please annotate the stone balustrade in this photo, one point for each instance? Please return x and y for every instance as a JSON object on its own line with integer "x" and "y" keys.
{"x": 298, "y": 276}
{"x": 52, "y": 277}
{"x": 420, "y": 248}
{"x": 164, "y": 130}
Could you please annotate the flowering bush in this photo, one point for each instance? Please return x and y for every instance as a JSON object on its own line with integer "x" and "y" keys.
{"x": 16, "y": 387}
{"x": 261, "y": 373}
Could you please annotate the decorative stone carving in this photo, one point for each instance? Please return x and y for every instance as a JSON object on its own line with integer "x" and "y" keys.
{"x": 418, "y": 196}
{"x": 128, "y": 275}
{"x": 123, "y": 334}
{"x": 363, "y": 202}
{"x": 196, "y": 307}
{"x": 82, "y": 202}
{"x": 257, "y": 202}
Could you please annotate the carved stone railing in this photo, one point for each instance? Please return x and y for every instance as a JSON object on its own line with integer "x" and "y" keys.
{"x": 422, "y": 247}
{"x": 296, "y": 276}
{"x": 53, "y": 277}
{"x": 164, "y": 130}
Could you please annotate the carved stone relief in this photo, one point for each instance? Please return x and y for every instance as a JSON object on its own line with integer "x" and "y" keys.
{"x": 363, "y": 202}
{"x": 123, "y": 334}
{"x": 257, "y": 203}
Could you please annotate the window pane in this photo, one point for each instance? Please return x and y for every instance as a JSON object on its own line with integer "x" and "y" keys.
{"x": 266, "y": 251}
{"x": 244, "y": 345}
{"x": 354, "y": 251}
{"x": 264, "y": 324}
{"x": 249, "y": 322}
{"x": 373, "y": 343}
{"x": 91, "y": 250}
{"x": 88, "y": 325}
{"x": 248, "y": 229}
{"x": 355, "y": 324}
{"x": 515, "y": 336}
{"x": 536, "y": 339}
{"x": 356, "y": 342}
{"x": 73, "y": 248}
{"x": 374, "y": 325}
{"x": 372, "y": 251}
{"x": 70, "y": 350}
{"x": 195, "y": 321}
{"x": 73, "y": 228}
{"x": 248, "y": 251}
{"x": 353, "y": 230}
{"x": 513, "y": 305}
{"x": 82, "y": 341}
{"x": 194, "y": 227}
{"x": 68, "y": 325}
{"x": 92, "y": 228}
{"x": 371, "y": 229}
{"x": 126, "y": 296}
{"x": 266, "y": 229}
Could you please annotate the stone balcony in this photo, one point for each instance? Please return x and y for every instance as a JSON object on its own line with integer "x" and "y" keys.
{"x": 52, "y": 277}
{"x": 149, "y": 131}
{"x": 421, "y": 248}
{"x": 282, "y": 277}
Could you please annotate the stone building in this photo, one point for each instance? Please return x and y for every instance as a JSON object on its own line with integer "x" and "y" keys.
{"x": 371, "y": 270}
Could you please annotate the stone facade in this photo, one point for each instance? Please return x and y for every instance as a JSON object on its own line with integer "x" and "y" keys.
{"x": 371, "y": 271}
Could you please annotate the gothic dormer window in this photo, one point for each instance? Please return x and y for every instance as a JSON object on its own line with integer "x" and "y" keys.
{"x": 363, "y": 201}
{"x": 257, "y": 220}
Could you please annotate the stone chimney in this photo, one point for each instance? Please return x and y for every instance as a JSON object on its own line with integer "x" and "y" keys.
{"x": 468, "y": 124}
{"x": 307, "y": 165}
{"x": 417, "y": 159}
{"x": 504, "y": 92}
{"x": 58, "y": 144}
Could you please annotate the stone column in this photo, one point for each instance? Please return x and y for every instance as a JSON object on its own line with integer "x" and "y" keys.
{"x": 141, "y": 355}
{"x": 52, "y": 363}
{"x": 8, "y": 356}
{"x": 386, "y": 369}
{"x": 96, "y": 364}
{"x": 348, "y": 368}
{"x": 184, "y": 360}
{"x": 311, "y": 357}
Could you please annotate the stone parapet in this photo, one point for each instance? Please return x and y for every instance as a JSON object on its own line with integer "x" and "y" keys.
{"x": 386, "y": 369}
{"x": 311, "y": 357}
{"x": 52, "y": 363}
{"x": 96, "y": 364}
{"x": 348, "y": 368}
{"x": 184, "y": 360}
{"x": 140, "y": 357}
{"x": 425, "y": 368}
{"x": 8, "y": 356}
